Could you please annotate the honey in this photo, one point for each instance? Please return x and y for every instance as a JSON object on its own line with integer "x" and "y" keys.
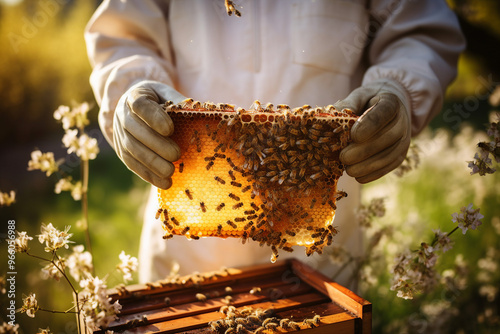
{"x": 263, "y": 174}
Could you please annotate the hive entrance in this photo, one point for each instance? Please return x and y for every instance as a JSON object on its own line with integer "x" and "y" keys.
{"x": 266, "y": 175}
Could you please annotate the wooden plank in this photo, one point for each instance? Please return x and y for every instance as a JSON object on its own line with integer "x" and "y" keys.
{"x": 193, "y": 308}
{"x": 190, "y": 322}
{"x": 341, "y": 295}
{"x": 232, "y": 274}
{"x": 149, "y": 302}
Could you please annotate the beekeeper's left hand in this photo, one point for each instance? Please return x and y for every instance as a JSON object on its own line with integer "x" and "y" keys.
{"x": 381, "y": 136}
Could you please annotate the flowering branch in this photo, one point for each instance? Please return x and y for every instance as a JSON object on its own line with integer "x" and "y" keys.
{"x": 482, "y": 163}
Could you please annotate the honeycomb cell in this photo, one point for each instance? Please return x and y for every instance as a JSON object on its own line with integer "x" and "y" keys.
{"x": 266, "y": 175}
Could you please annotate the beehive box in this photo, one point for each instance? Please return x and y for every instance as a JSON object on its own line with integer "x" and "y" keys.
{"x": 290, "y": 289}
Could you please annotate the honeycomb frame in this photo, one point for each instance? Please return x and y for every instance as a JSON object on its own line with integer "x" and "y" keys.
{"x": 265, "y": 174}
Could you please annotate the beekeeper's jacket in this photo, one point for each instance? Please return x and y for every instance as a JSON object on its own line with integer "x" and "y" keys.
{"x": 291, "y": 52}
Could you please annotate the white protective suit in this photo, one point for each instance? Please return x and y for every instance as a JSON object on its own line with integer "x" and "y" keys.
{"x": 294, "y": 52}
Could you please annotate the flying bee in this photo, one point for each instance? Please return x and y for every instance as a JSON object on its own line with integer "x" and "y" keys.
{"x": 203, "y": 207}
{"x": 230, "y": 223}
{"x": 185, "y": 230}
{"x": 340, "y": 194}
{"x": 209, "y": 165}
{"x": 158, "y": 213}
{"x": 218, "y": 179}
{"x": 219, "y": 229}
{"x": 233, "y": 196}
{"x": 237, "y": 205}
{"x": 188, "y": 194}
{"x": 175, "y": 221}
{"x": 245, "y": 189}
{"x": 220, "y": 206}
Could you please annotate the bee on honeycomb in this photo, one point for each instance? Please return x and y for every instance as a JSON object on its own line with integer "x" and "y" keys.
{"x": 283, "y": 165}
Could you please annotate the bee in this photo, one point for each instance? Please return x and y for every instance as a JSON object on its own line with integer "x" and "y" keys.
{"x": 175, "y": 221}
{"x": 239, "y": 219}
{"x": 256, "y": 106}
{"x": 284, "y": 323}
{"x": 259, "y": 330}
{"x": 249, "y": 212}
{"x": 244, "y": 237}
{"x": 316, "y": 175}
{"x": 248, "y": 151}
{"x": 293, "y": 325}
{"x": 209, "y": 158}
{"x": 220, "y": 206}
{"x": 245, "y": 189}
{"x": 233, "y": 196}
{"x": 254, "y": 206}
{"x": 209, "y": 165}
{"x": 203, "y": 207}
{"x": 271, "y": 325}
{"x": 237, "y": 205}
{"x": 248, "y": 225}
{"x": 218, "y": 179}
{"x": 167, "y": 225}
{"x": 220, "y": 156}
{"x": 340, "y": 194}
{"x": 209, "y": 105}
{"x": 194, "y": 237}
{"x": 201, "y": 297}
{"x": 221, "y": 106}
{"x": 288, "y": 249}
{"x": 186, "y": 103}
{"x": 188, "y": 194}
{"x": 332, "y": 205}
{"x": 181, "y": 167}
{"x": 236, "y": 184}
{"x": 282, "y": 107}
{"x": 252, "y": 217}
{"x": 230, "y": 223}
{"x": 196, "y": 105}
{"x": 168, "y": 236}
{"x": 231, "y": 175}
{"x": 228, "y": 300}
{"x": 255, "y": 290}
{"x": 219, "y": 229}
{"x": 290, "y": 233}
{"x": 185, "y": 230}
{"x": 261, "y": 223}
{"x": 275, "y": 254}
{"x": 158, "y": 213}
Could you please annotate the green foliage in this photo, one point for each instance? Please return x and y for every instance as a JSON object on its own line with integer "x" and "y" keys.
{"x": 43, "y": 64}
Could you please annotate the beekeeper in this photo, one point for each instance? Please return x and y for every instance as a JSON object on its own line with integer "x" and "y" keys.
{"x": 398, "y": 54}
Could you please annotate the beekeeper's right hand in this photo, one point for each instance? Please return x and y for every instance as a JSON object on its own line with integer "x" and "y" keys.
{"x": 141, "y": 130}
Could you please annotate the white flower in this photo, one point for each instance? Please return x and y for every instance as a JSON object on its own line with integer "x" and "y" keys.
{"x": 467, "y": 218}
{"x": 77, "y": 191}
{"x": 63, "y": 184}
{"x": 83, "y": 146}
{"x": 97, "y": 308}
{"x": 79, "y": 263}
{"x": 53, "y": 238}
{"x": 127, "y": 266}
{"x": 488, "y": 291}
{"x": 76, "y": 117}
{"x": 7, "y": 199}
{"x": 53, "y": 269}
{"x": 443, "y": 241}
{"x": 7, "y": 328}
{"x": 44, "y": 162}
{"x": 30, "y": 305}
{"x": 21, "y": 243}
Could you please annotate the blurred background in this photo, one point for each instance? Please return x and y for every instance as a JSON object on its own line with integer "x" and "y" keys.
{"x": 43, "y": 64}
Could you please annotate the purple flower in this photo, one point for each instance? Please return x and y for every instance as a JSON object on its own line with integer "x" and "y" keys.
{"x": 467, "y": 218}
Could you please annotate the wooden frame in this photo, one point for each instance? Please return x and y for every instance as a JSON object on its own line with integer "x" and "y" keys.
{"x": 293, "y": 289}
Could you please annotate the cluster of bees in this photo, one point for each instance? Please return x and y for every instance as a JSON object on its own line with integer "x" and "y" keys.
{"x": 257, "y": 321}
{"x": 266, "y": 174}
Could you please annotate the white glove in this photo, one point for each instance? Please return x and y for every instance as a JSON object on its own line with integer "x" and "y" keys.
{"x": 141, "y": 131}
{"x": 381, "y": 136}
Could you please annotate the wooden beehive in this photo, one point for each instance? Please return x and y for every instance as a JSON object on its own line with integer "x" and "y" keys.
{"x": 290, "y": 288}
